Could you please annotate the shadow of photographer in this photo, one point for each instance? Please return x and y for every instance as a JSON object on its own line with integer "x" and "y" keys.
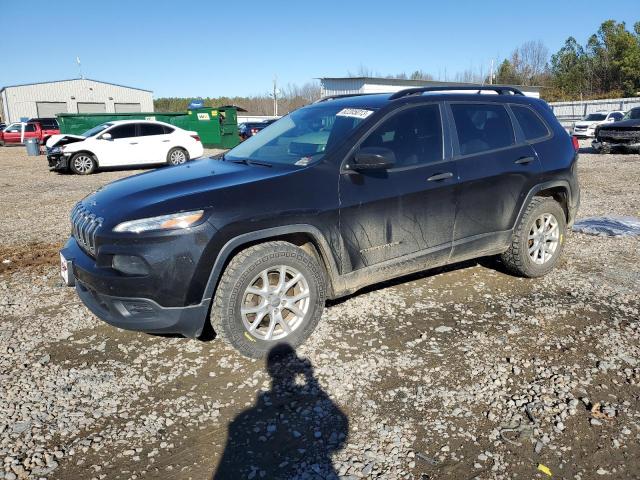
{"x": 292, "y": 431}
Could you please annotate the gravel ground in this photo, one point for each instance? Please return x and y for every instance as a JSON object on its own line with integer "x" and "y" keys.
{"x": 465, "y": 372}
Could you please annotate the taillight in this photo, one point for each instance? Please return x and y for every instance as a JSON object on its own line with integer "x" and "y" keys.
{"x": 195, "y": 137}
{"x": 254, "y": 131}
{"x": 576, "y": 143}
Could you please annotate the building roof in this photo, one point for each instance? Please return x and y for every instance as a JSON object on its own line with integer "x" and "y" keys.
{"x": 420, "y": 83}
{"x": 74, "y": 80}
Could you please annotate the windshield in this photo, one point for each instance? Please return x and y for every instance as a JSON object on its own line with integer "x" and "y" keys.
{"x": 95, "y": 130}
{"x": 633, "y": 114}
{"x": 302, "y": 136}
{"x": 594, "y": 117}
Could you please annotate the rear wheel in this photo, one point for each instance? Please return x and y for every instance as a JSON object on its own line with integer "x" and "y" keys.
{"x": 82, "y": 163}
{"x": 538, "y": 239}
{"x": 269, "y": 294}
{"x": 177, "y": 156}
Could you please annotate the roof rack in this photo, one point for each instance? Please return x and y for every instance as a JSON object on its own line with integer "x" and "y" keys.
{"x": 344, "y": 95}
{"x": 500, "y": 90}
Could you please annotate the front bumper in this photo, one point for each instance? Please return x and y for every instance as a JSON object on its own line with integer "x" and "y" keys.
{"x": 133, "y": 303}
{"x": 58, "y": 162}
{"x": 602, "y": 145}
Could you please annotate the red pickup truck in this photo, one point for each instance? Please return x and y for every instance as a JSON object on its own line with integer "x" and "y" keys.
{"x": 18, "y": 132}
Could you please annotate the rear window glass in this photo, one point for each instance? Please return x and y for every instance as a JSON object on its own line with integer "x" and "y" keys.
{"x": 482, "y": 127}
{"x": 532, "y": 126}
{"x": 147, "y": 129}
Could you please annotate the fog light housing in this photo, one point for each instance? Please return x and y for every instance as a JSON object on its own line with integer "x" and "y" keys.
{"x": 130, "y": 265}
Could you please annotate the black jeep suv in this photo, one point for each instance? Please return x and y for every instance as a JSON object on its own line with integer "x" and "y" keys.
{"x": 341, "y": 194}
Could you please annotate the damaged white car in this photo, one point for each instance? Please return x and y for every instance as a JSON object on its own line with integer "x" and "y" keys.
{"x": 123, "y": 143}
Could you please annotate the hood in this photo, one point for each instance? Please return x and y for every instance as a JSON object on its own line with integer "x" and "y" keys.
{"x": 59, "y": 140}
{"x": 193, "y": 186}
{"x": 621, "y": 125}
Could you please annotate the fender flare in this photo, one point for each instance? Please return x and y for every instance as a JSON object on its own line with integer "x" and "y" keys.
{"x": 544, "y": 186}
{"x": 327, "y": 258}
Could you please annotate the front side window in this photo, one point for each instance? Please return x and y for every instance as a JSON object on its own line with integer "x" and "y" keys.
{"x": 413, "y": 135}
{"x": 532, "y": 126}
{"x": 482, "y": 127}
{"x": 148, "y": 129}
{"x": 302, "y": 137}
{"x": 633, "y": 114}
{"x": 123, "y": 131}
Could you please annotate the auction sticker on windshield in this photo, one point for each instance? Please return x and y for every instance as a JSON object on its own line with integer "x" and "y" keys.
{"x": 354, "y": 112}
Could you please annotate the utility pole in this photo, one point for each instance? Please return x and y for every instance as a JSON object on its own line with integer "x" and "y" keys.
{"x": 275, "y": 96}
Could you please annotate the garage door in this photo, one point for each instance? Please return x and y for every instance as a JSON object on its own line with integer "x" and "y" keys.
{"x": 127, "y": 107}
{"x": 86, "y": 107}
{"x": 50, "y": 109}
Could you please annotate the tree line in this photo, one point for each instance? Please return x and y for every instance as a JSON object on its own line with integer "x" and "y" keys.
{"x": 606, "y": 66}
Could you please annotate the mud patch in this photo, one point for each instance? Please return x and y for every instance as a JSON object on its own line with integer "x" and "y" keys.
{"x": 18, "y": 257}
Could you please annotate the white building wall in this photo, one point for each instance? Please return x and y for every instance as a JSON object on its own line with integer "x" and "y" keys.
{"x": 20, "y": 101}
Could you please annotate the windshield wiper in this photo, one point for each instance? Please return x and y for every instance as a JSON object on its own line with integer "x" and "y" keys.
{"x": 246, "y": 161}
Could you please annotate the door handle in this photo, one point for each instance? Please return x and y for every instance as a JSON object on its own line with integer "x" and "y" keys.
{"x": 524, "y": 160}
{"x": 133, "y": 143}
{"x": 439, "y": 176}
{"x": 165, "y": 141}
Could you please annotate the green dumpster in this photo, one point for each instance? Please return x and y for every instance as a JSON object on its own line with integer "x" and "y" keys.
{"x": 216, "y": 127}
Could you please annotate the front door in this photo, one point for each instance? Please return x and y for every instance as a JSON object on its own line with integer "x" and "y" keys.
{"x": 407, "y": 210}
{"x": 121, "y": 149}
{"x": 496, "y": 170}
{"x": 13, "y": 133}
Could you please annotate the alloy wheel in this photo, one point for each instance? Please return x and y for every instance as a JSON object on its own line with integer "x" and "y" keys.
{"x": 544, "y": 238}
{"x": 178, "y": 157}
{"x": 83, "y": 163}
{"x": 275, "y": 303}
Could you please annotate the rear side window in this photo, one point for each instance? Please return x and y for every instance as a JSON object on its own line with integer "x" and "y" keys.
{"x": 167, "y": 130}
{"x": 532, "y": 126}
{"x": 414, "y": 135}
{"x": 123, "y": 131}
{"x": 29, "y": 127}
{"x": 147, "y": 129}
{"x": 482, "y": 127}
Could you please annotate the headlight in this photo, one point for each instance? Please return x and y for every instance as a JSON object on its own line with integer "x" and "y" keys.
{"x": 163, "y": 222}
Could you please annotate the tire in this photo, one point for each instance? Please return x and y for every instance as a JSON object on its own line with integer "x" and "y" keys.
{"x": 235, "y": 309}
{"x": 83, "y": 163}
{"x": 177, "y": 156}
{"x": 523, "y": 258}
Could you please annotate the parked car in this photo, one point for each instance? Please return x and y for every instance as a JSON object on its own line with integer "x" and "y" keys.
{"x": 333, "y": 197}
{"x": 587, "y": 126}
{"x": 2, "y": 126}
{"x": 249, "y": 129}
{"x": 123, "y": 143}
{"x": 18, "y": 132}
{"x": 622, "y": 135}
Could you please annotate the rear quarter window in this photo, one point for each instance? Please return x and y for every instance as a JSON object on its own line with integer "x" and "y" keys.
{"x": 531, "y": 124}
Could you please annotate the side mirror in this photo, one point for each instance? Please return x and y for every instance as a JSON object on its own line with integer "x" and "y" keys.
{"x": 106, "y": 136}
{"x": 611, "y": 119}
{"x": 373, "y": 158}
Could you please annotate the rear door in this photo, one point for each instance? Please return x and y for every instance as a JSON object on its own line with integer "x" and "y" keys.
{"x": 153, "y": 143}
{"x": 497, "y": 168}
{"x": 407, "y": 210}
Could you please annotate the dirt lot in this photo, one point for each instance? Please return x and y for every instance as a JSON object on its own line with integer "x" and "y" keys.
{"x": 465, "y": 372}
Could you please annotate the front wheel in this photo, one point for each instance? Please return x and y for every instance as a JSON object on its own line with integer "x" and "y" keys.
{"x": 538, "y": 240}
{"x": 82, "y": 164}
{"x": 270, "y": 293}
{"x": 177, "y": 156}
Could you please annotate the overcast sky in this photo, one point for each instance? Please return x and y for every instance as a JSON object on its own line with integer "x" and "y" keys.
{"x": 214, "y": 48}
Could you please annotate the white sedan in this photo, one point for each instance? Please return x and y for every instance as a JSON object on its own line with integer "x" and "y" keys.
{"x": 587, "y": 126}
{"x": 123, "y": 143}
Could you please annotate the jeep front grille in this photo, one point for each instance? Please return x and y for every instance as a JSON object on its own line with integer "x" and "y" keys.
{"x": 84, "y": 227}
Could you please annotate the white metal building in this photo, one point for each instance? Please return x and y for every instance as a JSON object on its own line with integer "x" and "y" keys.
{"x": 349, "y": 85}
{"x": 46, "y": 99}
